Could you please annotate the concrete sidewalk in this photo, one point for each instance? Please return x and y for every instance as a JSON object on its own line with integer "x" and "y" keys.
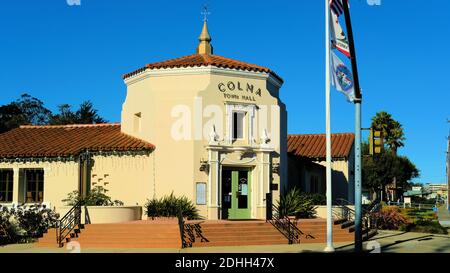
{"x": 388, "y": 242}
{"x": 444, "y": 216}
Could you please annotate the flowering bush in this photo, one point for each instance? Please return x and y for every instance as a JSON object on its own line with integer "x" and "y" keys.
{"x": 22, "y": 223}
{"x": 390, "y": 218}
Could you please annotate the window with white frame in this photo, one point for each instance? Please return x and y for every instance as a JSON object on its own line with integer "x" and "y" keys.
{"x": 238, "y": 125}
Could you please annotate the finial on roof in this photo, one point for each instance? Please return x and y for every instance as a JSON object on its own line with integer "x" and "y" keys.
{"x": 205, "y": 13}
{"x": 205, "y": 46}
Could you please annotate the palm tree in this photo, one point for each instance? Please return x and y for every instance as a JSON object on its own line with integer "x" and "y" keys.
{"x": 391, "y": 129}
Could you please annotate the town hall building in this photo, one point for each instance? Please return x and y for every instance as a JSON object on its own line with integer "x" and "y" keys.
{"x": 203, "y": 126}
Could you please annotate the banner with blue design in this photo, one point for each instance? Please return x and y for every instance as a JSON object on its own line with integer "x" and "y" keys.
{"x": 342, "y": 77}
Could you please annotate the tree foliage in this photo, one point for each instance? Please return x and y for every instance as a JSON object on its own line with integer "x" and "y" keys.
{"x": 28, "y": 110}
{"x": 86, "y": 114}
{"x": 391, "y": 129}
{"x": 380, "y": 170}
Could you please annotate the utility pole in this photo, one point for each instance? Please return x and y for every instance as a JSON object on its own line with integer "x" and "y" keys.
{"x": 358, "y": 102}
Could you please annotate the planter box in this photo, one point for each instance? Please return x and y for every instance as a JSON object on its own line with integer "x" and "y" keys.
{"x": 108, "y": 215}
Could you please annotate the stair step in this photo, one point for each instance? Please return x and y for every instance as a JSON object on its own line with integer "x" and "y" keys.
{"x": 347, "y": 224}
{"x": 142, "y": 240}
{"x": 247, "y": 238}
{"x": 92, "y": 245}
{"x": 227, "y": 233}
{"x": 370, "y": 234}
{"x": 240, "y": 243}
{"x": 340, "y": 221}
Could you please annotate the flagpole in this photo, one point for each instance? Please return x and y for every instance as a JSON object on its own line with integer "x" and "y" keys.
{"x": 329, "y": 247}
{"x": 358, "y": 102}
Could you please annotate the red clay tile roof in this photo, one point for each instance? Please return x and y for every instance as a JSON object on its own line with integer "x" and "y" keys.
{"x": 313, "y": 145}
{"x": 204, "y": 60}
{"x": 67, "y": 140}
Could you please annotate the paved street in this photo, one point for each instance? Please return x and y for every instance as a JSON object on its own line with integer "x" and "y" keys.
{"x": 389, "y": 242}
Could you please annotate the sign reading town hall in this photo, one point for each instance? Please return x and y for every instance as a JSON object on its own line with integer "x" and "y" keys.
{"x": 231, "y": 86}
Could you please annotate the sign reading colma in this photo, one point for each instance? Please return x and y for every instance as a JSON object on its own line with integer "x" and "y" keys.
{"x": 246, "y": 91}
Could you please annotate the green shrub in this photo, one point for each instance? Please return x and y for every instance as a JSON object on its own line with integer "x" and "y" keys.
{"x": 318, "y": 199}
{"x": 95, "y": 197}
{"x": 296, "y": 203}
{"x": 170, "y": 206}
{"x": 426, "y": 226}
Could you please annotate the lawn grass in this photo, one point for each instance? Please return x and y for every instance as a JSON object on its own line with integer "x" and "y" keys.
{"x": 422, "y": 220}
{"x": 415, "y": 215}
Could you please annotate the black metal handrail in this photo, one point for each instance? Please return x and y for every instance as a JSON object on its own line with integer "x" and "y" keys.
{"x": 285, "y": 225}
{"x": 189, "y": 232}
{"x": 182, "y": 230}
{"x": 68, "y": 223}
{"x": 369, "y": 221}
{"x": 87, "y": 217}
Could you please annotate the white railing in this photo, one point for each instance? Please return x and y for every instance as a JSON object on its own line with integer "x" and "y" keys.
{"x": 411, "y": 205}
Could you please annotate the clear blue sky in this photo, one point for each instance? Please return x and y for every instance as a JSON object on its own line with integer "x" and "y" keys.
{"x": 68, "y": 54}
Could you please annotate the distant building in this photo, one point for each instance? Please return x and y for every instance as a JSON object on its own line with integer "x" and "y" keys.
{"x": 307, "y": 164}
{"x": 416, "y": 191}
{"x": 439, "y": 191}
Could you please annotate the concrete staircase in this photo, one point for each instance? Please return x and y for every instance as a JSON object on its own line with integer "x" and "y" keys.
{"x": 315, "y": 231}
{"x": 125, "y": 235}
{"x": 239, "y": 233}
{"x": 148, "y": 234}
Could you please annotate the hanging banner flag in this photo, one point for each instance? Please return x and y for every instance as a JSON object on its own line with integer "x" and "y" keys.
{"x": 342, "y": 78}
{"x": 336, "y": 7}
{"x": 338, "y": 38}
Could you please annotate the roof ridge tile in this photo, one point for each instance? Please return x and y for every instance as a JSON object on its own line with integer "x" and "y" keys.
{"x": 67, "y": 126}
{"x": 203, "y": 60}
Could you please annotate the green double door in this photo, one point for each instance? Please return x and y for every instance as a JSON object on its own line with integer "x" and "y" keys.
{"x": 236, "y": 194}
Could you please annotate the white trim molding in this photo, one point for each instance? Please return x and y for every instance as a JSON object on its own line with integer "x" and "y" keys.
{"x": 203, "y": 70}
{"x": 250, "y": 110}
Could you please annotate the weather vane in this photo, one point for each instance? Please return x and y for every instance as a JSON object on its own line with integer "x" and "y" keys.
{"x": 205, "y": 13}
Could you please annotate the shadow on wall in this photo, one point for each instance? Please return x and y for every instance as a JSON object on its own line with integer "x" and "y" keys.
{"x": 309, "y": 176}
